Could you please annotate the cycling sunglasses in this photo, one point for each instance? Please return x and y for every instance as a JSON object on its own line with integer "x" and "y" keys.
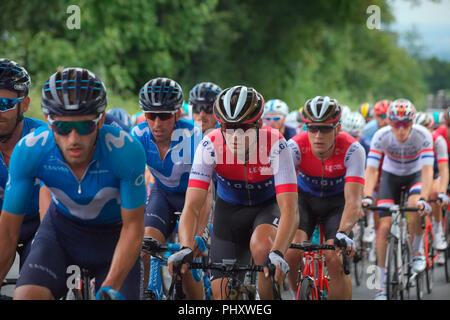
{"x": 405, "y": 124}
{"x": 323, "y": 129}
{"x": 382, "y": 116}
{"x": 197, "y": 108}
{"x": 244, "y": 127}
{"x": 162, "y": 116}
{"x": 267, "y": 119}
{"x": 83, "y": 127}
{"x": 7, "y": 104}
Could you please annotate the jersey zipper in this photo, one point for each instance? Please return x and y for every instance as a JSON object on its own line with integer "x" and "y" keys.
{"x": 79, "y": 181}
{"x": 321, "y": 181}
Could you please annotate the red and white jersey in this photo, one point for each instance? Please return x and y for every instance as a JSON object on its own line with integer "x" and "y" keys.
{"x": 268, "y": 171}
{"x": 441, "y": 147}
{"x": 401, "y": 158}
{"x": 328, "y": 177}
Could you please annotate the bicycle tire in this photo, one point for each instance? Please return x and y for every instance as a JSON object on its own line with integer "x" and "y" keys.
{"x": 429, "y": 268}
{"x": 306, "y": 289}
{"x": 419, "y": 286}
{"x": 406, "y": 270}
{"x": 446, "y": 257}
{"x": 392, "y": 279}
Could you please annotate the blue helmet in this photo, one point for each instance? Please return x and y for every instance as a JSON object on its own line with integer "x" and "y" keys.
{"x": 14, "y": 77}
{"x": 73, "y": 91}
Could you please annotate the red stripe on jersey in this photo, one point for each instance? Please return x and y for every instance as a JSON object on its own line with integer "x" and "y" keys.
{"x": 375, "y": 151}
{"x": 443, "y": 160}
{"x": 383, "y": 201}
{"x": 289, "y": 187}
{"x": 198, "y": 184}
{"x": 355, "y": 179}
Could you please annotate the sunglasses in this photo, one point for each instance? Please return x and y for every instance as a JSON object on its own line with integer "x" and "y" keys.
{"x": 382, "y": 116}
{"x": 322, "y": 129}
{"x": 244, "y": 127}
{"x": 196, "y": 108}
{"x": 162, "y": 116}
{"x": 267, "y": 119}
{"x": 7, "y": 104}
{"x": 83, "y": 127}
{"x": 404, "y": 124}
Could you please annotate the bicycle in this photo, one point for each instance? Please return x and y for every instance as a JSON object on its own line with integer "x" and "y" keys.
{"x": 363, "y": 250}
{"x": 157, "y": 288}
{"x": 85, "y": 289}
{"x": 313, "y": 280}
{"x": 237, "y": 289}
{"x": 398, "y": 254}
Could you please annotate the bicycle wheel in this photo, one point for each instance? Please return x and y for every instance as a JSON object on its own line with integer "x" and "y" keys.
{"x": 429, "y": 268}
{"x": 307, "y": 289}
{"x": 406, "y": 270}
{"x": 393, "y": 287}
{"x": 420, "y": 283}
{"x": 447, "y": 275}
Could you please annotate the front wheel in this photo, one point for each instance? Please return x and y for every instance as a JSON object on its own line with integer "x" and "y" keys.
{"x": 393, "y": 286}
{"x": 307, "y": 290}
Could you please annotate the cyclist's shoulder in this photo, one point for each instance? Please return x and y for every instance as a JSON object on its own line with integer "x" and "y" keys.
{"x": 140, "y": 130}
{"x": 41, "y": 137}
{"x": 30, "y": 124}
{"x": 422, "y": 132}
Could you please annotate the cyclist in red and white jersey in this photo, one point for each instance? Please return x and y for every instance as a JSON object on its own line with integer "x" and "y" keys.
{"x": 330, "y": 167}
{"x": 256, "y": 211}
{"x": 408, "y": 162}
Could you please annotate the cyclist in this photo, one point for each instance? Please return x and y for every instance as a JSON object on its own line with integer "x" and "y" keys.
{"x": 380, "y": 110}
{"x": 275, "y": 112}
{"x": 120, "y": 117}
{"x": 170, "y": 144}
{"x": 201, "y": 98}
{"x": 440, "y": 184}
{"x": 366, "y": 110}
{"x": 330, "y": 166}
{"x": 14, "y": 101}
{"x": 353, "y": 124}
{"x": 256, "y": 190}
{"x": 408, "y": 162}
{"x": 95, "y": 174}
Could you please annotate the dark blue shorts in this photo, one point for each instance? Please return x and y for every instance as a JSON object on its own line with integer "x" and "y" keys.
{"x": 61, "y": 242}
{"x": 160, "y": 208}
{"x": 27, "y": 231}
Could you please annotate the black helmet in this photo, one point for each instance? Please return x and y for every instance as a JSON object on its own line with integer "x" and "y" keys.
{"x": 73, "y": 91}
{"x": 239, "y": 105}
{"x": 161, "y": 95}
{"x": 14, "y": 77}
{"x": 204, "y": 92}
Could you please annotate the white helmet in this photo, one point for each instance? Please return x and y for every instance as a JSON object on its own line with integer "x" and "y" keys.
{"x": 276, "y": 106}
{"x": 345, "y": 111}
{"x": 353, "y": 123}
{"x": 424, "y": 119}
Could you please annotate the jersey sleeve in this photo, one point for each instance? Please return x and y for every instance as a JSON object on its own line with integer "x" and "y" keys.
{"x": 376, "y": 150}
{"x": 283, "y": 168}
{"x": 427, "y": 152}
{"x": 127, "y": 157}
{"x": 294, "y": 149}
{"x": 23, "y": 170}
{"x": 440, "y": 149}
{"x": 203, "y": 165}
{"x": 354, "y": 162}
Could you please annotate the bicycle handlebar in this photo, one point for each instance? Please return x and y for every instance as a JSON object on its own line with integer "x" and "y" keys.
{"x": 391, "y": 208}
{"x": 153, "y": 246}
{"x": 309, "y": 246}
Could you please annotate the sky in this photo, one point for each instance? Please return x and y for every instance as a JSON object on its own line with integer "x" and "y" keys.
{"x": 430, "y": 19}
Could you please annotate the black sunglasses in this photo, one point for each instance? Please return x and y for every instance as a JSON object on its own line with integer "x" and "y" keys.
{"x": 83, "y": 127}
{"x": 162, "y": 116}
{"x": 322, "y": 129}
{"x": 197, "y": 108}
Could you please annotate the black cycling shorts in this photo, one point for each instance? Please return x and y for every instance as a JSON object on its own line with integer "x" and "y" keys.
{"x": 319, "y": 210}
{"x": 233, "y": 226}
{"x": 390, "y": 188}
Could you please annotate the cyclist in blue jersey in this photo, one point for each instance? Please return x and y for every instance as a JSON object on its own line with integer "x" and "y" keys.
{"x": 201, "y": 98}
{"x": 170, "y": 144}
{"x": 14, "y": 101}
{"x": 95, "y": 174}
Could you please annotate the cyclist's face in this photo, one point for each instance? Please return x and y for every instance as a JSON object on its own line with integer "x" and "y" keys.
{"x": 203, "y": 119}
{"x": 321, "y": 140}
{"x": 274, "y": 120}
{"x": 8, "y": 118}
{"x": 401, "y": 129}
{"x": 240, "y": 139}
{"x": 77, "y": 149}
{"x": 162, "y": 129}
{"x": 382, "y": 121}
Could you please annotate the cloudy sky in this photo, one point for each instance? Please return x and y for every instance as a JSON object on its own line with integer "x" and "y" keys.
{"x": 430, "y": 19}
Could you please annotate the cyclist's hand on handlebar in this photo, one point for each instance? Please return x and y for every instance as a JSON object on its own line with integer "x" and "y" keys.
{"x": 281, "y": 267}
{"x": 443, "y": 197}
{"x": 350, "y": 243}
{"x": 180, "y": 259}
{"x": 424, "y": 207}
{"x": 199, "y": 246}
{"x": 367, "y": 201}
{"x": 108, "y": 293}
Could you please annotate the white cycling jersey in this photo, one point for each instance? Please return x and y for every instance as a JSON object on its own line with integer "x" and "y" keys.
{"x": 401, "y": 158}
{"x": 440, "y": 149}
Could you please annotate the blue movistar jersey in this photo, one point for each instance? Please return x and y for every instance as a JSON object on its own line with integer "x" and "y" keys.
{"x": 172, "y": 172}
{"x": 113, "y": 179}
{"x": 32, "y": 210}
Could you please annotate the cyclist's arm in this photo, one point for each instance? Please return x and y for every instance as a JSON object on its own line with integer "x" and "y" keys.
{"x": 9, "y": 235}
{"x": 45, "y": 198}
{"x": 443, "y": 176}
{"x": 205, "y": 212}
{"x": 371, "y": 174}
{"x": 289, "y": 219}
{"x": 427, "y": 181}
{"x": 350, "y": 215}
{"x": 127, "y": 248}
